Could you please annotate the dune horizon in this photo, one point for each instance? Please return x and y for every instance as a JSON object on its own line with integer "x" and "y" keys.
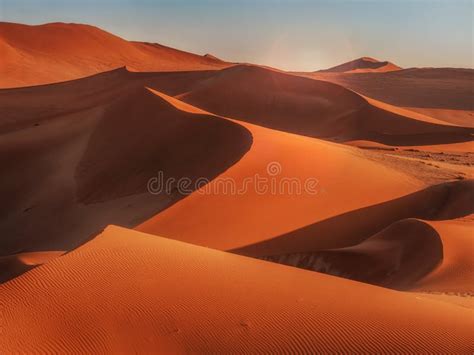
{"x": 160, "y": 201}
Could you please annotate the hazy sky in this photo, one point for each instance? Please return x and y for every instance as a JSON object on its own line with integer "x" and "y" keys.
{"x": 296, "y": 35}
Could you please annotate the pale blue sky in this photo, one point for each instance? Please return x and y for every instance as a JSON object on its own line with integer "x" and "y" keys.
{"x": 292, "y": 35}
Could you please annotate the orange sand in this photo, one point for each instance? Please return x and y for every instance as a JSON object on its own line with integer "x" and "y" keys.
{"x": 131, "y": 292}
{"x": 53, "y": 52}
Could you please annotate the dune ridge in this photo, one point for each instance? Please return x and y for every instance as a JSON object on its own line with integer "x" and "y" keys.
{"x": 263, "y": 216}
{"x": 314, "y": 108}
{"x": 396, "y": 257}
{"x": 93, "y": 144}
{"x": 442, "y": 93}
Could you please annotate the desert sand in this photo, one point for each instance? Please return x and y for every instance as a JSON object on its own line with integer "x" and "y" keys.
{"x": 359, "y": 239}
{"x": 151, "y": 294}
{"x": 53, "y": 52}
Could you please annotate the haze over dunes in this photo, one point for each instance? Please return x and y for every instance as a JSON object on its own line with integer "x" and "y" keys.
{"x": 162, "y": 201}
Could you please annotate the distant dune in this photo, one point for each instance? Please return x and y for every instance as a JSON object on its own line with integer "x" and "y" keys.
{"x": 442, "y": 93}
{"x": 363, "y": 65}
{"x": 53, "y": 52}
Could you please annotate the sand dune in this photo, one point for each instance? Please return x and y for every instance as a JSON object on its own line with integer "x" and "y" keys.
{"x": 90, "y": 146}
{"x": 285, "y": 182}
{"x": 396, "y": 257}
{"x": 363, "y": 65}
{"x": 147, "y": 293}
{"x": 53, "y": 52}
{"x": 212, "y": 212}
{"x": 443, "y": 93}
{"x": 456, "y": 272}
{"x": 314, "y": 108}
{"x": 440, "y": 202}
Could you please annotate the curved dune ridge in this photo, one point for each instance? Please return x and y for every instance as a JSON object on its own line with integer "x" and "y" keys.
{"x": 246, "y": 215}
{"x": 314, "y": 108}
{"x": 154, "y": 136}
{"x": 192, "y": 299}
{"x": 53, "y": 52}
{"x": 382, "y": 245}
{"x": 396, "y": 257}
{"x": 363, "y": 65}
{"x": 91, "y": 145}
{"x": 456, "y": 272}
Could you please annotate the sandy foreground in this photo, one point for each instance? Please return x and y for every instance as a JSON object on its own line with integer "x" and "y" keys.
{"x": 358, "y": 240}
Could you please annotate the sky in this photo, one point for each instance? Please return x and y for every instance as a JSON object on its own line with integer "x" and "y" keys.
{"x": 300, "y": 35}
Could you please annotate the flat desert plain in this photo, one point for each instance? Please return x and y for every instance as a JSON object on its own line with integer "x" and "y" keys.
{"x": 154, "y": 200}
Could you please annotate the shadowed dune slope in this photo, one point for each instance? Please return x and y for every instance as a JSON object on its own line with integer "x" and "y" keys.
{"x": 53, "y": 52}
{"x": 361, "y": 65}
{"x": 312, "y": 108}
{"x": 151, "y": 135}
{"x": 78, "y": 156}
{"x": 198, "y": 300}
{"x": 396, "y": 257}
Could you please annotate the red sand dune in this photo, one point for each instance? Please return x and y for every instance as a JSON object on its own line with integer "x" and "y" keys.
{"x": 456, "y": 272}
{"x": 363, "y": 65}
{"x": 150, "y": 294}
{"x": 441, "y": 202}
{"x": 442, "y": 93}
{"x": 90, "y": 146}
{"x": 396, "y": 257}
{"x": 245, "y": 218}
{"x": 314, "y": 108}
{"x": 53, "y": 52}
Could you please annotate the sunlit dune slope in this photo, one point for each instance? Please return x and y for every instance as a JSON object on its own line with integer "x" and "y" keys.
{"x": 455, "y": 275}
{"x": 53, "y": 52}
{"x": 130, "y": 292}
{"x": 77, "y": 156}
{"x": 235, "y": 210}
{"x": 314, "y": 108}
{"x": 363, "y": 65}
